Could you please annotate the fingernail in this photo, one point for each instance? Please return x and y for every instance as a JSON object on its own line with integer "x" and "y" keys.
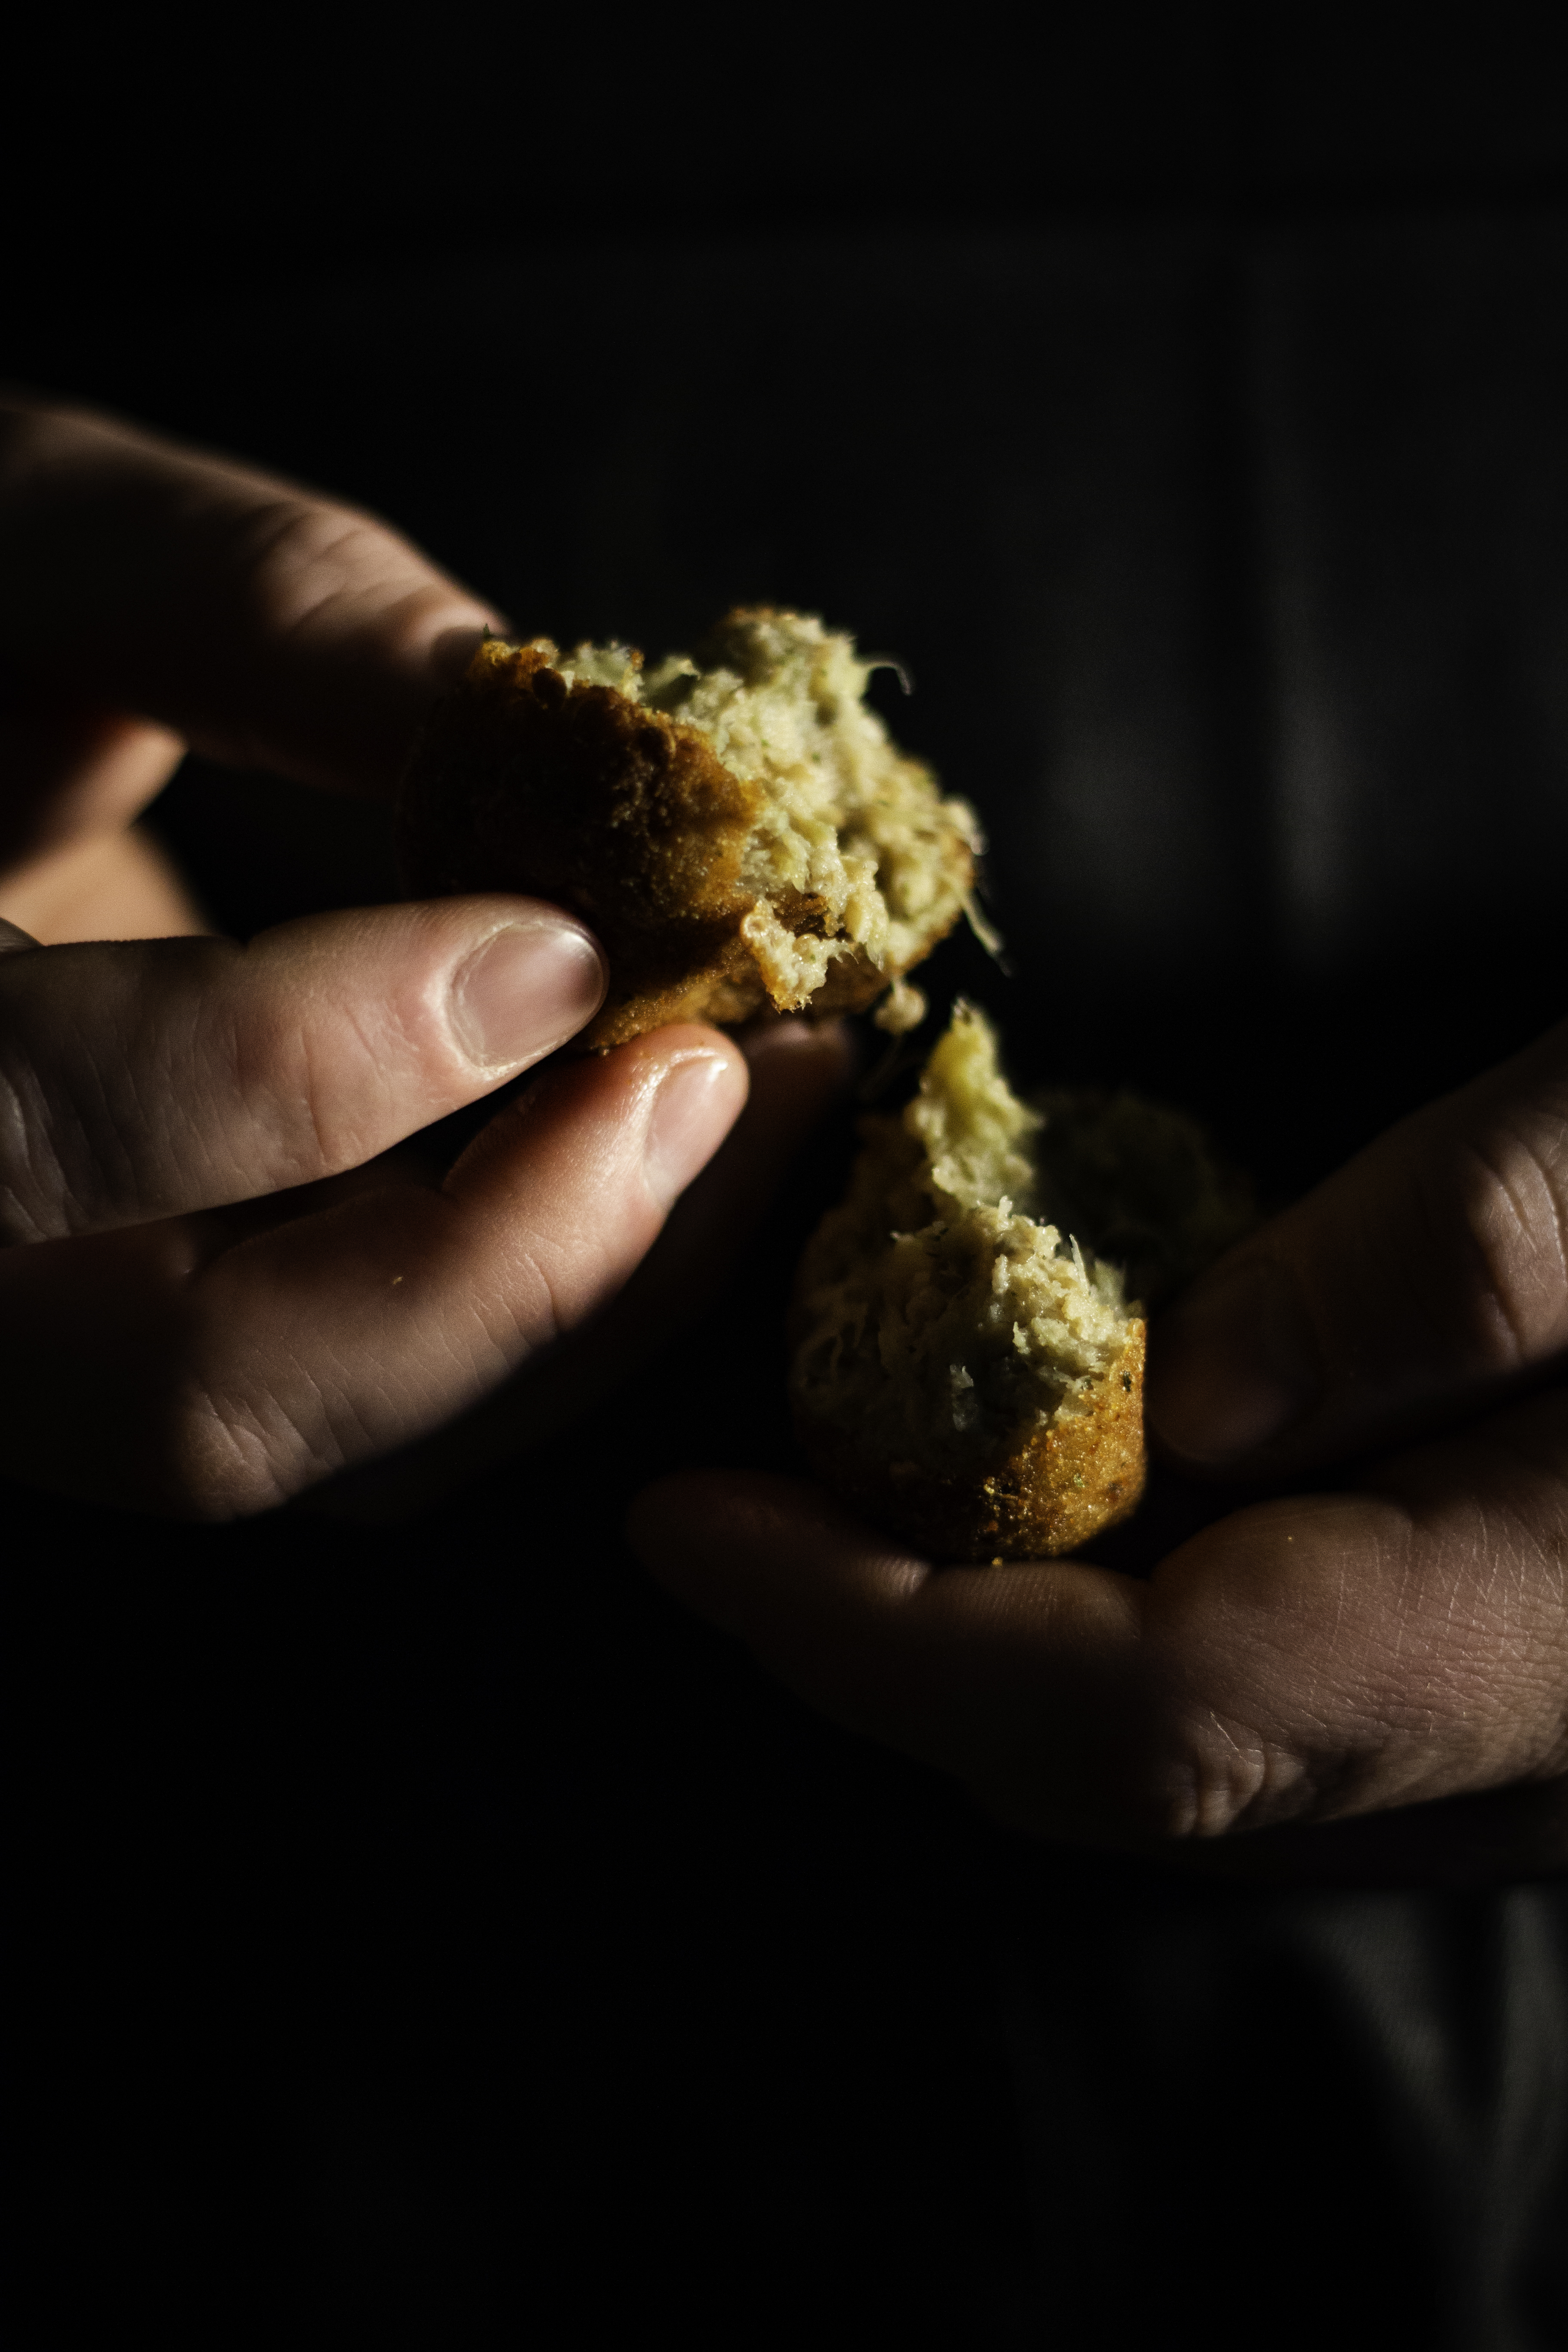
{"x": 1233, "y": 1365}
{"x": 692, "y": 1113}
{"x": 525, "y": 992}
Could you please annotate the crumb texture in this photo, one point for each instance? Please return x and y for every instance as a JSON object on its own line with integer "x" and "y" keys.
{"x": 736, "y": 825}
{"x": 945, "y": 1335}
{"x": 1144, "y": 1182}
{"x": 967, "y": 1364}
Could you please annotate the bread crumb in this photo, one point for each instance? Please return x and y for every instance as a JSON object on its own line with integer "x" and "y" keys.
{"x": 736, "y": 825}
{"x": 939, "y": 1312}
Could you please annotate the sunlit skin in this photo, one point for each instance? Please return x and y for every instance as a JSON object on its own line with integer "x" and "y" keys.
{"x": 232, "y": 1271}
{"x": 1387, "y": 1663}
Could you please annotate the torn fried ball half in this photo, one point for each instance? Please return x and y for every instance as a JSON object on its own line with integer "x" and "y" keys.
{"x": 966, "y": 1369}
{"x": 738, "y": 829}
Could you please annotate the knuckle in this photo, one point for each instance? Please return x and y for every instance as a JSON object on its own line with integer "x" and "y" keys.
{"x": 1208, "y": 1776}
{"x": 296, "y": 1094}
{"x": 1511, "y": 1184}
{"x": 113, "y": 1087}
{"x": 299, "y": 1090}
{"x": 227, "y": 1455}
{"x": 31, "y": 1179}
{"x": 539, "y": 1305}
{"x": 324, "y": 1078}
{"x": 303, "y": 561}
{"x": 66, "y": 1165}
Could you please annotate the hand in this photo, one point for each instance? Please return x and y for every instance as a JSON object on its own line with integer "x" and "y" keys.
{"x": 231, "y": 1273}
{"x": 154, "y": 598}
{"x": 1360, "y": 1684}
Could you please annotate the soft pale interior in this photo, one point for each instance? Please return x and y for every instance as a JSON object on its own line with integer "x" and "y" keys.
{"x": 846, "y": 816}
{"x": 942, "y": 1315}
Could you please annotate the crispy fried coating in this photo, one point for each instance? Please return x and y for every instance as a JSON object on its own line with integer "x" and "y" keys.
{"x": 1032, "y": 1495}
{"x": 739, "y": 836}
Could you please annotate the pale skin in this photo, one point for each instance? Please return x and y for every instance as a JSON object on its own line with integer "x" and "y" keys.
{"x": 233, "y": 1272}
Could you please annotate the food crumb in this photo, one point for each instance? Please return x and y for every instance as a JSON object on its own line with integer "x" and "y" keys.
{"x": 903, "y": 1008}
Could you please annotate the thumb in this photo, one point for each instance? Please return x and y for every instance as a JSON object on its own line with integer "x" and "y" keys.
{"x": 1428, "y": 1278}
{"x": 153, "y": 1078}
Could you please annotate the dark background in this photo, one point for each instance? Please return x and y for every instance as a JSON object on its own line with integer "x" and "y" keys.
{"x": 166, "y": 155}
{"x": 427, "y": 1934}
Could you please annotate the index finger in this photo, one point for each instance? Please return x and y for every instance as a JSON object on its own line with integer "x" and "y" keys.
{"x": 267, "y": 626}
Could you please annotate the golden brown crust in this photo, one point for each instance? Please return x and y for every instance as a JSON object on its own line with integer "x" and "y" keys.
{"x": 571, "y": 791}
{"x": 1083, "y": 1473}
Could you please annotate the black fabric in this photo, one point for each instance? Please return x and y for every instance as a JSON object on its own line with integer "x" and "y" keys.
{"x": 427, "y": 1931}
{"x": 1334, "y": 2116}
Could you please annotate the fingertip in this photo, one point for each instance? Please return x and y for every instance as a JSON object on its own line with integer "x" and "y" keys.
{"x": 779, "y": 1542}
{"x": 701, "y": 1094}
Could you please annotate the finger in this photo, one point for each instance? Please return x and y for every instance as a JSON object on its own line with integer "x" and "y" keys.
{"x": 797, "y": 1070}
{"x": 1021, "y": 1682}
{"x": 265, "y": 625}
{"x": 1303, "y": 1661}
{"x": 1423, "y": 1280}
{"x": 116, "y": 885}
{"x": 1495, "y": 1839}
{"x": 140, "y": 1081}
{"x": 213, "y": 1380}
{"x": 74, "y": 776}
